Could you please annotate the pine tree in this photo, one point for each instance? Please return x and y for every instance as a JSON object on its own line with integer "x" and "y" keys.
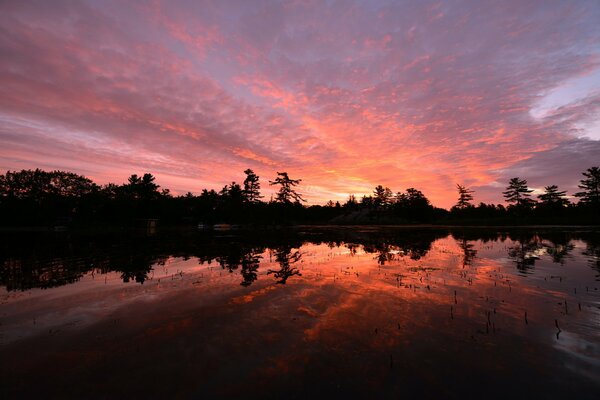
{"x": 383, "y": 196}
{"x": 141, "y": 188}
{"x": 251, "y": 187}
{"x": 465, "y": 196}
{"x": 286, "y": 192}
{"x": 552, "y": 197}
{"x": 591, "y": 187}
{"x": 351, "y": 202}
{"x": 518, "y": 193}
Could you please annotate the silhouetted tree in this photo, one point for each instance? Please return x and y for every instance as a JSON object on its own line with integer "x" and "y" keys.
{"x": 367, "y": 201}
{"x": 36, "y": 196}
{"x": 383, "y": 196}
{"x": 111, "y": 191}
{"x": 351, "y": 203}
{"x": 209, "y": 194}
{"x": 465, "y": 196}
{"x": 251, "y": 187}
{"x": 591, "y": 187}
{"x": 232, "y": 193}
{"x": 413, "y": 205}
{"x": 142, "y": 188}
{"x": 230, "y": 203}
{"x": 207, "y": 205}
{"x": 553, "y": 198}
{"x": 38, "y": 184}
{"x": 517, "y": 193}
{"x": 286, "y": 192}
{"x": 413, "y": 198}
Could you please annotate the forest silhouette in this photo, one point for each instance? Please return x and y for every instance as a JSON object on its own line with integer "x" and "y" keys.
{"x": 58, "y": 198}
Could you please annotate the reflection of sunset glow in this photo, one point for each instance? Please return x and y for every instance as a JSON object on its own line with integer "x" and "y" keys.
{"x": 425, "y": 96}
{"x": 380, "y": 305}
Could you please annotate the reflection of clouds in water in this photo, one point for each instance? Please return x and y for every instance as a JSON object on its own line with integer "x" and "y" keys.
{"x": 344, "y": 311}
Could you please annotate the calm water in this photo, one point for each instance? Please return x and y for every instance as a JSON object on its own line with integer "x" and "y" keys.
{"x": 354, "y": 312}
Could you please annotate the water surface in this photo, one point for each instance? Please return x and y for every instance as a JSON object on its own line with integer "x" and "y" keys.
{"x": 355, "y": 312}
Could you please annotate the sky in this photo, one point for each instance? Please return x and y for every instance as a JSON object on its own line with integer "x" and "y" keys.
{"x": 345, "y": 95}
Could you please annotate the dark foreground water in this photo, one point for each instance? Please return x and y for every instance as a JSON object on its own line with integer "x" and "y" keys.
{"x": 307, "y": 313}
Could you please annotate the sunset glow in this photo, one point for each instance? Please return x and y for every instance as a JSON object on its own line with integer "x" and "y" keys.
{"x": 343, "y": 95}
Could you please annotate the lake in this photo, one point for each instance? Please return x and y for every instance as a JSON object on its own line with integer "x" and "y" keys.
{"x": 356, "y": 312}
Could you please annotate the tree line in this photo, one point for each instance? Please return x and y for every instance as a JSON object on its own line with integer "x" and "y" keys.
{"x": 37, "y": 197}
{"x": 552, "y": 204}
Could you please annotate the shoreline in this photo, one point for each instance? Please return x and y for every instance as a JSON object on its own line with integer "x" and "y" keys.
{"x": 238, "y": 228}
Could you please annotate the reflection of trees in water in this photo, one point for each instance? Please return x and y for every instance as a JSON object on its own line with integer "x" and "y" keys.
{"x": 592, "y": 251}
{"x": 27, "y": 273}
{"x": 464, "y": 240}
{"x": 559, "y": 251}
{"x": 232, "y": 260}
{"x": 138, "y": 266}
{"x": 240, "y": 255}
{"x": 524, "y": 253}
{"x": 334, "y": 244}
{"x": 415, "y": 248}
{"x": 384, "y": 255}
{"x": 49, "y": 262}
{"x": 383, "y": 252}
{"x": 286, "y": 259}
{"x": 250, "y": 263}
{"x": 246, "y": 257}
{"x": 558, "y": 246}
{"x": 44, "y": 261}
{"x": 352, "y": 247}
{"x": 469, "y": 252}
{"x": 529, "y": 247}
